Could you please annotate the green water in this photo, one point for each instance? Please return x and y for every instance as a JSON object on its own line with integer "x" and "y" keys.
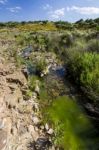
{"x": 73, "y": 129}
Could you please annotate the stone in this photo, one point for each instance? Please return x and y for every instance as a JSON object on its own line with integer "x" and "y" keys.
{"x": 25, "y": 72}
{"x": 35, "y": 120}
{"x": 34, "y": 95}
{"x": 36, "y": 107}
{"x": 34, "y": 133}
{"x": 2, "y": 80}
{"x": 42, "y": 143}
{"x": 12, "y": 99}
{"x": 17, "y": 77}
{"x": 14, "y": 131}
{"x": 37, "y": 89}
{"x": 22, "y": 130}
{"x": 13, "y": 86}
{"x": 8, "y": 125}
{"x": 1, "y": 124}
{"x": 31, "y": 128}
{"x": 52, "y": 148}
{"x": 45, "y": 71}
{"x": 50, "y": 131}
{"x": 3, "y": 139}
{"x": 2, "y": 60}
{"x": 36, "y": 129}
{"x": 46, "y": 127}
{"x": 6, "y": 69}
{"x": 42, "y": 74}
{"x": 22, "y": 123}
{"x": 25, "y": 109}
{"x": 42, "y": 127}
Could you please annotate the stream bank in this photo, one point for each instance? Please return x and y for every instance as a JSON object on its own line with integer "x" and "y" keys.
{"x": 59, "y": 89}
{"x": 67, "y": 106}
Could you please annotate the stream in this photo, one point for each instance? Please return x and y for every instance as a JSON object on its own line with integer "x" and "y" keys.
{"x": 70, "y": 108}
{"x": 59, "y": 87}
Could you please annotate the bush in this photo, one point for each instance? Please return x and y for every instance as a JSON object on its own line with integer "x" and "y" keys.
{"x": 67, "y": 40}
{"x": 32, "y": 82}
{"x": 84, "y": 68}
{"x": 41, "y": 66}
{"x": 93, "y": 46}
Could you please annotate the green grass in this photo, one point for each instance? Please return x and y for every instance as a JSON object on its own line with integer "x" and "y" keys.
{"x": 32, "y": 81}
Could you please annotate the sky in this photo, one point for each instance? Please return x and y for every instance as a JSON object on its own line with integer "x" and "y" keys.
{"x": 30, "y": 10}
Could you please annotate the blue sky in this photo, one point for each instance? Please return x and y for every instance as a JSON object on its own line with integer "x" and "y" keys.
{"x": 68, "y": 10}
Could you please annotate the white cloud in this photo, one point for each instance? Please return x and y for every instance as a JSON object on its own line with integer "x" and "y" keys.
{"x": 56, "y": 14}
{"x": 3, "y": 1}
{"x": 47, "y": 7}
{"x": 14, "y": 9}
{"x": 84, "y": 10}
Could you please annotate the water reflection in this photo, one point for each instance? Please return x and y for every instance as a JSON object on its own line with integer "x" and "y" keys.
{"x": 27, "y": 51}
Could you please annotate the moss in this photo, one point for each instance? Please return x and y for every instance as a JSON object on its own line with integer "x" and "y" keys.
{"x": 72, "y": 127}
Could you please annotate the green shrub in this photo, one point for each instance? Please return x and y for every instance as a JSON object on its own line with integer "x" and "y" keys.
{"x": 93, "y": 46}
{"x": 84, "y": 68}
{"x": 32, "y": 82}
{"x": 67, "y": 40}
{"x": 28, "y": 94}
{"x": 41, "y": 65}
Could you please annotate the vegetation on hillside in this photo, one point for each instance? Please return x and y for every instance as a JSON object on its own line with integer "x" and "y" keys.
{"x": 53, "y": 26}
{"x": 76, "y": 46}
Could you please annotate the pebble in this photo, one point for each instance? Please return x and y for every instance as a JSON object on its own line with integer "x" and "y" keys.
{"x": 31, "y": 128}
{"x": 46, "y": 127}
{"x": 36, "y": 129}
{"x": 35, "y": 120}
{"x": 50, "y": 131}
{"x": 34, "y": 95}
{"x": 42, "y": 127}
{"x": 1, "y": 124}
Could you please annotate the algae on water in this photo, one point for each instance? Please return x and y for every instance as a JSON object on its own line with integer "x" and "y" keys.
{"x": 73, "y": 130}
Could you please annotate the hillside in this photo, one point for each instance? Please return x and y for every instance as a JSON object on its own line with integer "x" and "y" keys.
{"x": 49, "y": 85}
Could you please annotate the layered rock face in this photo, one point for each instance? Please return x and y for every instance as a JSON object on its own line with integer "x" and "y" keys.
{"x": 19, "y": 118}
